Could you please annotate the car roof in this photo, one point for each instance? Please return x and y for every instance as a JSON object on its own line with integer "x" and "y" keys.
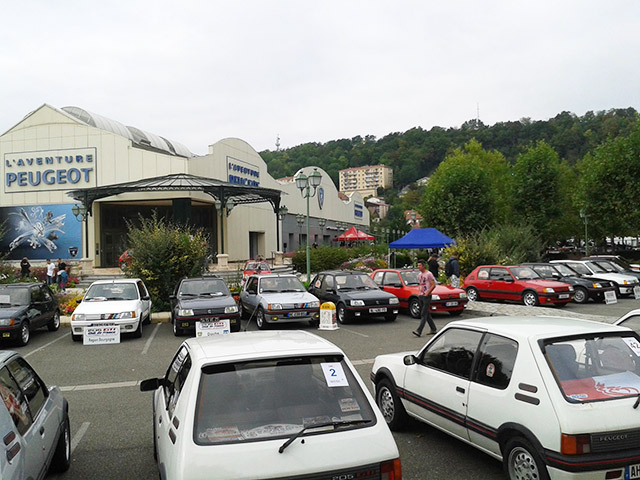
{"x": 342, "y": 272}
{"x": 274, "y": 275}
{"x": 116, "y": 280}
{"x": 21, "y": 285}
{"x": 252, "y": 345}
{"x": 522, "y": 328}
{"x": 6, "y": 354}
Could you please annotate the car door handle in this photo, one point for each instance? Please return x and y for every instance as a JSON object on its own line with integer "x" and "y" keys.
{"x": 41, "y": 430}
{"x": 460, "y": 389}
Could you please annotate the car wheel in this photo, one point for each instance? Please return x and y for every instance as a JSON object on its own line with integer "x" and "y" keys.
{"x": 530, "y": 299}
{"x": 25, "y": 333}
{"x": 54, "y": 323}
{"x": 391, "y": 317}
{"x": 176, "y": 331}
{"x": 243, "y": 311}
{"x": 455, "y": 313}
{"x": 341, "y": 313}
{"x": 581, "y": 295}
{"x": 138, "y": 332}
{"x": 260, "y": 320}
{"x": 521, "y": 461}
{"x": 390, "y": 405}
{"x": 414, "y": 307}
{"x": 472, "y": 294}
{"x": 147, "y": 320}
{"x": 62, "y": 456}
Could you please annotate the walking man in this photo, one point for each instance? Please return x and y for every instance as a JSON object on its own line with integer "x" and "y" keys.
{"x": 426, "y": 284}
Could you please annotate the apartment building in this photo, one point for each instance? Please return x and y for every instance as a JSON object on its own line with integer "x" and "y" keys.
{"x": 366, "y": 180}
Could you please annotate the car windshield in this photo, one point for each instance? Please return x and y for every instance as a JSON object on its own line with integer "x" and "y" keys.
{"x": 280, "y": 285}
{"x": 111, "y": 291}
{"x": 603, "y": 367}
{"x": 524, "y": 273}
{"x": 546, "y": 271}
{"x": 607, "y": 266}
{"x": 257, "y": 266}
{"x": 565, "y": 270}
{"x": 276, "y": 398}
{"x": 213, "y": 287}
{"x": 580, "y": 268}
{"x": 13, "y": 296}
{"x": 357, "y": 282}
{"x": 595, "y": 268}
{"x": 410, "y": 278}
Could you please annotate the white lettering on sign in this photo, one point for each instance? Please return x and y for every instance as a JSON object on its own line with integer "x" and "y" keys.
{"x": 633, "y": 344}
{"x": 206, "y": 329}
{"x": 101, "y": 335}
{"x": 50, "y": 170}
{"x": 334, "y": 375}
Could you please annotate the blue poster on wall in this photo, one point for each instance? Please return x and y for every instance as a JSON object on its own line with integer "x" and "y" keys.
{"x": 40, "y": 232}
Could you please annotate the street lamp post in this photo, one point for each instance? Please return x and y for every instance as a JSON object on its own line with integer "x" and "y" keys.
{"x": 282, "y": 212}
{"x": 585, "y": 217}
{"x": 306, "y": 184}
{"x": 300, "y": 220}
{"x": 80, "y": 212}
{"x": 322, "y": 222}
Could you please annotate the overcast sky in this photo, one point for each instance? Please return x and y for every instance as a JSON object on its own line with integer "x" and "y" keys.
{"x": 199, "y": 71}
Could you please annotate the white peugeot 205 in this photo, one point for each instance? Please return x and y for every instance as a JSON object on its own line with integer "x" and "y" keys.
{"x": 551, "y": 397}
{"x": 267, "y": 405}
{"x": 124, "y": 302}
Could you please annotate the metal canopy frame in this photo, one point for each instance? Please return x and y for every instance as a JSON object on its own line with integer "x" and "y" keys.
{"x": 220, "y": 191}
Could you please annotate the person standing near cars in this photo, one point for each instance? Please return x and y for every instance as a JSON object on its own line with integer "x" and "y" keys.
{"x": 433, "y": 265}
{"x": 61, "y": 266}
{"x": 452, "y": 270}
{"x": 24, "y": 268}
{"x": 426, "y": 284}
{"x": 51, "y": 272}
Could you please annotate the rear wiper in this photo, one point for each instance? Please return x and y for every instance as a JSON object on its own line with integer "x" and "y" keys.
{"x": 335, "y": 425}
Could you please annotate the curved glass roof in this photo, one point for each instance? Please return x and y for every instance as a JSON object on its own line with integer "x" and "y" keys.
{"x": 138, "y": 137}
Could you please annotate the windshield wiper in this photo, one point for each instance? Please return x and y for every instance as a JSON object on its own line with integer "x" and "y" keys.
{"x": 335, "y": 425}
{"x": 635, "y": 405}
{"x": 211, "y": 294}
{"x": 288, "y": 290}
{"x": 188, "y": 295}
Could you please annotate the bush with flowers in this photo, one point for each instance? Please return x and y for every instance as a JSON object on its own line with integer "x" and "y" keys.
{"x": 366, "y": 264}
{"x": 67, "y": 302}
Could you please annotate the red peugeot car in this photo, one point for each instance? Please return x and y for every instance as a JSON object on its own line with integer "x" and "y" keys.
{"x": 403, "y": 283}
{"x": 516, "y": 283}
{"x": 253, "y": 267}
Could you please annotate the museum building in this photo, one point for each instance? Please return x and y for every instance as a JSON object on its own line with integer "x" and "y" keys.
{"x": 56, "y": 159}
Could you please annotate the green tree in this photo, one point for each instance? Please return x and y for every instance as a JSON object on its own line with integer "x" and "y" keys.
{"x": 164, "y": 253}
{"x": 609, "y": 186}
{"x": 462, "y": 195}
{"x": 538, "y": 192}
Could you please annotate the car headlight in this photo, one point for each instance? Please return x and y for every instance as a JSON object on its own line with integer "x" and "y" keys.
{"x": 312, "y": 305}
{"x": 231, "y": 309}
{"x": 125, "y": 315}
{"x": 548, "y": 290}
{"x": 357, "y": 303}
{"x": 463, "y": 295}
{"x": 78, "y": 316}
{"x": 571, "y": 288}
{"x": 596, "y": 285}
{"x": 275, "y": 306}
{"x": 626, "y": 283}
{"x": 5, "y": 322}
{"x": 394, "y": 301}
{"x": 185, "y": 312}
{"x": 435, "y": 297}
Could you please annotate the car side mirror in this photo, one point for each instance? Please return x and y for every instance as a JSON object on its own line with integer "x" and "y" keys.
{"x": 146, "y": 297}
{"x": 172, "y": 297}
{"x": 78, "y": 300}
{"x": 410, "y": 360}
{"x": 151, "y": 384}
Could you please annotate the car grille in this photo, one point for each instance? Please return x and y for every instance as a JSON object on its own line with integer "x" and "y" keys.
{"x": 614, "y": 441}
{"x": 209, "y": 311}
{"x": 292, "y": 306}
{"x": 369, "y": 472}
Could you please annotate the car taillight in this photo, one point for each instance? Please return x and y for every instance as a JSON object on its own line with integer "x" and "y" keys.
{"x": 575, "y": 444}
{"x": 391, "y": 470}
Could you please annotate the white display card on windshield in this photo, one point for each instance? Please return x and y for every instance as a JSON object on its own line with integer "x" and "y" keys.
{"x": 633, "y": 344}
{"x": 334, "y": 375}
{"x": 5, "y": 298}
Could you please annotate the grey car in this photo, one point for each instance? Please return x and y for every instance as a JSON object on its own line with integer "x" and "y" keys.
{"x": 34, "y": 422}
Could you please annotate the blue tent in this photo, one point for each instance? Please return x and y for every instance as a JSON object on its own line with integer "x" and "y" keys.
{"x": 423, "y": 238}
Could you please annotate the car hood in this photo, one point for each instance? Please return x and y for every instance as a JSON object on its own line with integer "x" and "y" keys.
{"x": 289, "y": 297}
{"x": 615, "y": 277}
{"x": 544, "y": 283}
{"x": 107, "y": 306}
{"x": 7, "y": 312}
{"x": 373, "y": 293}
{"x": 205, "y": 302}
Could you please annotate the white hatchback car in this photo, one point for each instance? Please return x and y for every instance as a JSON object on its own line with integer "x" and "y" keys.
{"x": 267, "y": 405}
{"x": 551, "y": 397}
{"x": 124, "y": 302}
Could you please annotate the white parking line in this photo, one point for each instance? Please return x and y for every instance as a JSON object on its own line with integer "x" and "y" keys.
{"x": 46, "y": 345}
{"x": 151, "y": 337}
{"x": 78, "y": 436}
{"x": 354, "y": 332}
{"x": 368, "y": 361}
{"x": 99, "y": 386}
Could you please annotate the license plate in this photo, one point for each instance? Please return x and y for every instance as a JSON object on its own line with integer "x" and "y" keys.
{"x": 632, "y": 471}
{"x": 297, "y": 314}
{"x": 563, "y": 295}
{"x": 377, "y": 310}
{"x": 209, "y": 319}
{"x": 6, "y": 335}
{"x": 451, "y": 304}
{"x": 103, "y": 324}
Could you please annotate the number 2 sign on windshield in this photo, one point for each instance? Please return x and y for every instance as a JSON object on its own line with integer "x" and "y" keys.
{"x": 334, "y": 375}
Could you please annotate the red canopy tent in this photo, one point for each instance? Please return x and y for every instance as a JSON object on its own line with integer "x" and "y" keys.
{"x": 353, "y": 234}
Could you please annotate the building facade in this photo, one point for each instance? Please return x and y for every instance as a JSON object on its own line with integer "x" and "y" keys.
{"x": 52, "y": 152}
{"x": 366, "y": 180}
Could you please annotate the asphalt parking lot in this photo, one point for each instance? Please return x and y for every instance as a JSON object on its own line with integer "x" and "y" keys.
{"x": 111, "y": 418}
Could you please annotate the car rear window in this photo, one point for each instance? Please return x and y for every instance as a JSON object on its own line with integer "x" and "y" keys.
{"x": 14, "y": 296}
{"x": 596, "y": 368}
{"x": 276, "y": 398}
